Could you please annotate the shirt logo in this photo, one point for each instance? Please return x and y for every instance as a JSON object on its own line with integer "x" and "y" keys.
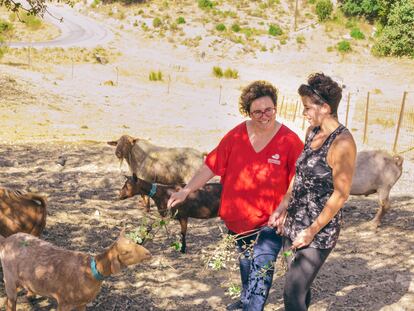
{"x": 274, "y": 159}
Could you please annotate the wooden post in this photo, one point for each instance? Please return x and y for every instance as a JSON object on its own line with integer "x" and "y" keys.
{"x": 169, "y": 82}
{"x": 347, "y": 109}
{"x": 296, "y": 15}
{"x": 296, "y": 109}
{"x": 281, "y": 106}
{"x": 397, "y": 132}
{"x": 117, "y": 75}
{"x": 220, "y": 94}
{"x": 364, "y": 139}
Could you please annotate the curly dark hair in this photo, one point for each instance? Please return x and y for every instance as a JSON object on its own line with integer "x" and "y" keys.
{"x": 322, "y": 89}
{"x": 254, "y": 91}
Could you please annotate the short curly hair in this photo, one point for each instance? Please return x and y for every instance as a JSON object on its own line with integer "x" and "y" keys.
{"x": 254, "y": 91}
{"x": 322, "y": 89}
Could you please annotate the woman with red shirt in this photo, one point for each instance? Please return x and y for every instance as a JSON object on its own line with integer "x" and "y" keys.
{"x": 256, "y": 161}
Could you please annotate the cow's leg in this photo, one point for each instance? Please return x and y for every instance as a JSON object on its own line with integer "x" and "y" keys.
{"x": 384, "y": 206}
{"x": 11, "y": 292}
{"x": 147, "y": 202}
{"x": 183, "y": 223}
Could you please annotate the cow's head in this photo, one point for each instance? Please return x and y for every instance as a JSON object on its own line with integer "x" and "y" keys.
{"x": 123, "y": 146}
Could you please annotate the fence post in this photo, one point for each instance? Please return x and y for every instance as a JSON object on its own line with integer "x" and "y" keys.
{"x": 364, "y": 139}
{"x": 347, "y": 109}
{"x": 281, "y": 106}
{"x": 220, "y": 95}
{"x": 169, "y": 82}
{"x": 397, "y": 132}
{"x": 296, "y": 16}
{"x": 296, "y": 109}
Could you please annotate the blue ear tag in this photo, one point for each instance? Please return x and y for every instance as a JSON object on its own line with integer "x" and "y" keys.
{"x": 153, "y": 190}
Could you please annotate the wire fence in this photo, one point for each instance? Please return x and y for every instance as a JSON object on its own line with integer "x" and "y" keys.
{"x": 375, "y": 119}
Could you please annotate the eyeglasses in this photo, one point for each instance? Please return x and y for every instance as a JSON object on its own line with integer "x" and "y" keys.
{"x": 270, "y": 111}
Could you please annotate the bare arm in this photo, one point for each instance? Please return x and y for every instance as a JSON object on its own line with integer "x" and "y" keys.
{"x": 342, "y": 160}
{"x": 200, "y": 178}
{"x": 278, "y": 217}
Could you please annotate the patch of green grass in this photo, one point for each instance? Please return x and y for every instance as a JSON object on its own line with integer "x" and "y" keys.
{"x": 180, "y": 20}
{"x": 31, "y": 21}
{"x": 300, "y": 39}
{"x": 155, "y": 76}
{"x": 205, "y": 4}
{"x": 356, "y": 33}
{"x": 235, "y": 27}
{"x": 220, "y": 27}
{"x": 344, "y": 46}
{"x": 275, "y": 30}
{"x": 156, "y": 22}
{"x": 231, "y": 73}
{"x": 5, "y": 26}
{"x": 217, "y": 72}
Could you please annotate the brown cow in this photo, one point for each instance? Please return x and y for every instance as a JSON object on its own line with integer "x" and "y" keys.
{"x": 21, "y": 212}
{"x": 376, "y": 171}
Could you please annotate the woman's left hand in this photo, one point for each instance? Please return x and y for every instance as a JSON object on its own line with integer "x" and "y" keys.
{"x": 304, "y": 238}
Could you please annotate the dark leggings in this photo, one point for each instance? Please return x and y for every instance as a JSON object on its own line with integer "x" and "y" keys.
{"x": 300, "y": 275}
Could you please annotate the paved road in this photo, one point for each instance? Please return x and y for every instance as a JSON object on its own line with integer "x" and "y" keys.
{"x": 76, "y": 30}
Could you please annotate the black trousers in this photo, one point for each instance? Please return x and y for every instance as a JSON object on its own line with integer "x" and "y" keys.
{"x": 302, "y": 270}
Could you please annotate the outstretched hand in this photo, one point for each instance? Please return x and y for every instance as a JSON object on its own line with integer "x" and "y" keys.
{"x": 177, "y": 198}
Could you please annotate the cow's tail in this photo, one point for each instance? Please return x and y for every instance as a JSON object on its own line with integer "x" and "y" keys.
{"x": 41, "y": 223}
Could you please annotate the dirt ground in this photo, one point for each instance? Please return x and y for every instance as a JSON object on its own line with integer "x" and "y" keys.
{"x": 368, "y": 270}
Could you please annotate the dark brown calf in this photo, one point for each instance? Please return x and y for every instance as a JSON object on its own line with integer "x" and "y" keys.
{"x": 201, "y": 204}
{"x": 21, "y": 212}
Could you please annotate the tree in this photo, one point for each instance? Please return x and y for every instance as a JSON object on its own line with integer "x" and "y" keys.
{"x": 34, "y": 7}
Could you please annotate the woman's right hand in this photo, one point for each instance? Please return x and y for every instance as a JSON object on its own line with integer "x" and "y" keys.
{"x": 178, "y": 197}
{"x": 277, "y": 219}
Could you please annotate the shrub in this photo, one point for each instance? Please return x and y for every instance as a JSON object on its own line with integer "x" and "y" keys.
{"x": 370, "y": 9}
{"x": 356, "y": 33}
{"x": 155, "y": 76}
{"x": 275, "y": 30}
{"x": 217, "y": 72}
{"x": 220, "y": 27}
{"x": 5, "y": 26}
{"x": 397, "y": 37}
{"x": 324, "y": 9}
{"x": 343, "y": 46}
{"x": 231, "y": 73}
{"x": 180, "y": 20}
{"x": 300, "y": 39}
{"x": 156, "y": 22}
{"x": 235, "y": 27}
{"x": 31, "y": 21}
{"x": 205, "y": 4}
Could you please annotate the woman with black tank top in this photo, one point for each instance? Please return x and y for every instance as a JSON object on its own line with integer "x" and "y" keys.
{"x": 310, "y": 214}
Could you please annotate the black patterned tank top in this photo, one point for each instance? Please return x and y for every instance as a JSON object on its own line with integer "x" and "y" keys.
{"x": 312, "y": 188}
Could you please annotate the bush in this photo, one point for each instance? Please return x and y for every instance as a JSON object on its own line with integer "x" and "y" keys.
{"x": 205, "y": 4}
{"x": 231, "y": 73}
{"x": 343, "y": 46}
{"x": 156, "y": 22}
{"x": 397, "y": 37}
{"x": 324, "y": 9}
{"x": 275, "y": 30}
{"x": 217, "y": 72}
{"x": 5, "y": 26}
{"x": 155, "y": 76}
{"x": 356, "y": 33}
{"x": 235, "y": 27}
{"x": 300, "y": 39}
{"x": 180, "y": 20}
{"x": 220, "y": 27}
{"x": 31, "y": 21}
{"x": 370, "y": 9}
